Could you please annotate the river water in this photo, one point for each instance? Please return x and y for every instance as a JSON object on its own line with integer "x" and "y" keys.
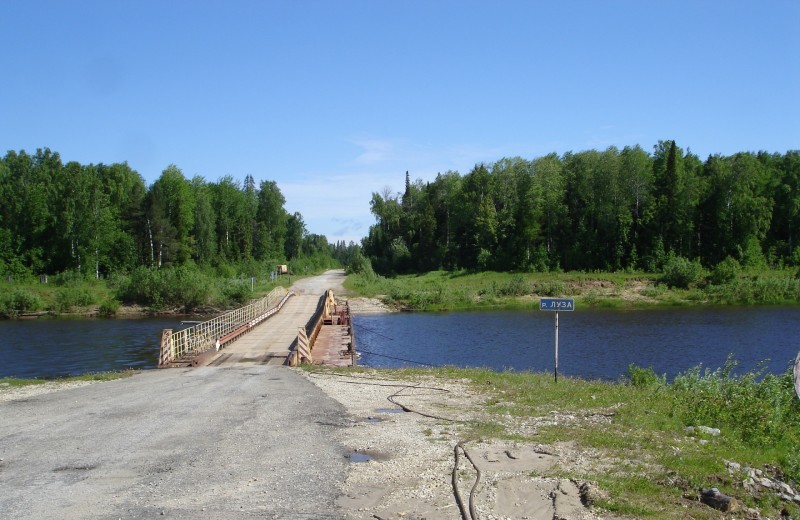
{"x": 592, "y": 343}
{"x": 61, "y": 347}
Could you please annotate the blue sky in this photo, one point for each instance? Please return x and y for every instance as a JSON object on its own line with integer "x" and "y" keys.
{"x": 335, "y": 100}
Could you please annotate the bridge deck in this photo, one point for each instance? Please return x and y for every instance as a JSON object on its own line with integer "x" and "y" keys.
{"x": 269, "y": 342}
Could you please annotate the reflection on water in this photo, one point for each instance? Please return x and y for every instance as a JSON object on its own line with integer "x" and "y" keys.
{"x": 592, "y": 343}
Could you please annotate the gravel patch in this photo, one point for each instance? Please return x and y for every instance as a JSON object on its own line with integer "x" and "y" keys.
{"x": 410, "y": 456}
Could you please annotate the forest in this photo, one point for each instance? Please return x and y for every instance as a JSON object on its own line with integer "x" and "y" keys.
{"x": 611, "y": 210}
{"x": 100, "y": 219}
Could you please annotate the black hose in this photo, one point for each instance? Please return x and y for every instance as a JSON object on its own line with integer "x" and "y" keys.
{"x": 472, "y": 510}
{"x": 361, "y": 350}
{"x": 456, "y": 492}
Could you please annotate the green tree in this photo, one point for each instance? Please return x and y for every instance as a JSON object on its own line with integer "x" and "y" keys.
{"x": 272, "y": 222}
{"x": 295, "y": 231}
{"x": 170, "y": 213}
{"x": 204, "y": 222}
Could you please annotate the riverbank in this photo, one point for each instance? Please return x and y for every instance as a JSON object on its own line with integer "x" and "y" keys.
{"x": 574, "y": 449}
{"x": 444, "y": 291}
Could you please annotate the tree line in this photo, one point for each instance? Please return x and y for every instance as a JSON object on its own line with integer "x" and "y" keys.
{"x": 99, "y": 219}
{"x": 594, "y": 210}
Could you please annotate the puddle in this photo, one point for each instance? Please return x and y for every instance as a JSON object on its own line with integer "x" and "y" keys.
{"x": 360, "y": 457}
{"x": 373, "y": 419}
{"x": 389, "y": 410}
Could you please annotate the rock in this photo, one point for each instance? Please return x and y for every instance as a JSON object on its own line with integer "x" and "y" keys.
{"x": 710, "y": 431}
{"x": 752, "y": 514}
{"x": 591, "y": 493}
{"x": 733, "y": 467}
{"x": 713, "y": 498}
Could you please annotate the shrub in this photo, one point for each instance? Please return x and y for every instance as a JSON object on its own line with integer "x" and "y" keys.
{"x": 517, "y": 286}
{"x": 550, "y": 288}
{"x": 725, "y": 271}
{"x": 681, "y": 273}
{"x": 68, "y": 278}
{"x": 237, "y": 293}
{"x": 109, "y": 308}
{"x": 69, "y": 298}
{"x": 23, "y": 300}
{"x": 167, "y": 287}
{"x": 644, "y": 377}
{"x": 760, "y": 411}
{"x": 360, "y": 264}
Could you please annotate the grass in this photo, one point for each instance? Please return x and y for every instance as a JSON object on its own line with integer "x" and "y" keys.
{"x": 443, "y": 290}
{"x": 13, "y": 382}
{"x": 632, "y": 433}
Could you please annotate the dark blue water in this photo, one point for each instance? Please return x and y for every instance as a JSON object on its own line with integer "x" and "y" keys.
{"x": 592, "y": 343}
{"x": 56, "y": 347}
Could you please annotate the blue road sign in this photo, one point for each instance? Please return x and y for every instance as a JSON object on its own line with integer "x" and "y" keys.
{"x": 557, "y": 304}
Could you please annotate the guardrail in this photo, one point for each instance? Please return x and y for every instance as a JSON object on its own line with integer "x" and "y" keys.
{"x": 220, "y": 330}
{"x": 306, "y": 336}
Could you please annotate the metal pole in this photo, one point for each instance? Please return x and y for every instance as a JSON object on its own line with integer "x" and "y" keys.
{"x": 556, "y": 365}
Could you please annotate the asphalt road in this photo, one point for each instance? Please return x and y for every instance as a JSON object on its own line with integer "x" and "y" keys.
{"x": 238, "y": 441}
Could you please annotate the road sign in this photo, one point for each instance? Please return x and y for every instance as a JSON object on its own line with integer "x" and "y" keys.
{"x": 557, "y": 304}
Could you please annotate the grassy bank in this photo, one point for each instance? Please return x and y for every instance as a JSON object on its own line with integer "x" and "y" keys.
{"x": 170, "y": 289}
{"x": 441, "y": 290}
{"x": 13, "y": 382}
{"x": 649, "y": 446}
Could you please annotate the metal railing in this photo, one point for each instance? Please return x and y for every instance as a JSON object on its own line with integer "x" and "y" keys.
{"x": 204, "y": 336}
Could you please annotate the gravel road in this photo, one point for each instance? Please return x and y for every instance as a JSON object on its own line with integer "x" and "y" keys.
{"x": 212, "y": 442}
{"x": 184, "y": 443}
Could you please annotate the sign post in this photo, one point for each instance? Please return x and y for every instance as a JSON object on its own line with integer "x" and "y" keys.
{"x": 556, "y": 304}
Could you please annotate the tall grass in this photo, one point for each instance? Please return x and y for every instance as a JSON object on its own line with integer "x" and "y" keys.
{"x": 441, "y": 290}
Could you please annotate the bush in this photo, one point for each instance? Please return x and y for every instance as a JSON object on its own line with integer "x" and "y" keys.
{"x": 237, "y": 293}
{"x": 167, "y": 287}
{"x": 644, "y": 377}
{"x": 23, "y": 300}
{"x": 550, "y": 288}
{"x": 760, "y": 411}
{"x": 725, "y": 271}
{"x": 517, "y": 286}
{"x": 68, "y": 279}
{"x": 109, "y": 308}
{"x": 360, "y": 264}
{"x": 69, "y": 298}
{"x": 681, "y": 273}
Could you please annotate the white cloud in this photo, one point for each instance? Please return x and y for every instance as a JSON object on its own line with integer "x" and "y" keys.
{"x": 374, "y": 150}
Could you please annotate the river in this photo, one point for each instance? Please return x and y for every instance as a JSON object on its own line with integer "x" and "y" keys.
{"x": 593, "y": 343}
{"x": 62, "y": 347}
